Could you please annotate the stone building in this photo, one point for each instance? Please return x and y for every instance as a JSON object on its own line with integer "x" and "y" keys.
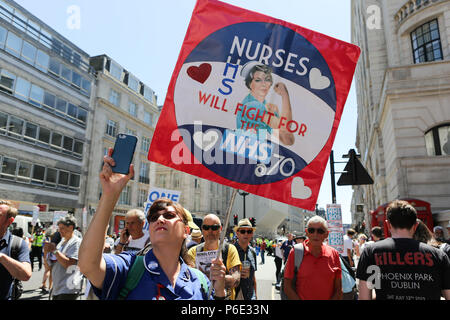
{"x": 123, "y": 104}
{"x": 403, "y": 94}
{"x": 46, "y": 86}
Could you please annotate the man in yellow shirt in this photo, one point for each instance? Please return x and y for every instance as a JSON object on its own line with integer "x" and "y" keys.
{"x": 203, "y": 253}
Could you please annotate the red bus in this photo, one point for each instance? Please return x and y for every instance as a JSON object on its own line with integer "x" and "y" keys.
{"x": 423, "y": 209}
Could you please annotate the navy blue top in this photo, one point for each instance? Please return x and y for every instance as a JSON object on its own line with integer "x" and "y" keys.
{"x": 154, "y": 283}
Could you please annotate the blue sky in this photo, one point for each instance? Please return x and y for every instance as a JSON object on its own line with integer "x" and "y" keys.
{"x": 145, "y": 37}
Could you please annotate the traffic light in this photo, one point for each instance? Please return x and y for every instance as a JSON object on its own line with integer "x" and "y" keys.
{"x": 235, "y": 219}
{"x": 253, "y": 221}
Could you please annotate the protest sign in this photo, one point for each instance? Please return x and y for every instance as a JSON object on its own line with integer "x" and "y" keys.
{"x": 156, "y": 193}
{"x": 254, "y": 103}
{"x": 334, "y": 220}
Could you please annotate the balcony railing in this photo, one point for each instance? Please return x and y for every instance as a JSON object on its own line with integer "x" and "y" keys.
{"x": 411, "y": 7}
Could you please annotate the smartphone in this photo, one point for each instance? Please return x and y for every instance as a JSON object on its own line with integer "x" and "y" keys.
{"x": 127, "y": 233}
{"x": 123, "y": 152}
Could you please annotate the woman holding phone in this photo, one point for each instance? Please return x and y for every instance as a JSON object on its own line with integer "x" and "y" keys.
{"x": 166, "y": 274}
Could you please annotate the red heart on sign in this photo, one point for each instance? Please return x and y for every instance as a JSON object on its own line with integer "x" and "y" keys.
{"x": 201, "y": 73}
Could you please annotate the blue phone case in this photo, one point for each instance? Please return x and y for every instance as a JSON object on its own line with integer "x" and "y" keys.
{"x": 123, "y": 152}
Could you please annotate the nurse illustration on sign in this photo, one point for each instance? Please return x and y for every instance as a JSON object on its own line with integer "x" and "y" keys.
{"x": 256, "y": 113}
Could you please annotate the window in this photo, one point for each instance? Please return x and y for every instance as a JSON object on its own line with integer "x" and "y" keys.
{"x": 82, "y": 115}
{"x": 76, "y": 79}
{"x": 54, "y": 66}
{"x": 31, "y": 131}
{"x": 24, "y": 172}
{"x": 22, "y": 89}
{"x": 142, "y": 197}
{"x": 63, "y": 179}
{"x": 61, "y": 105}
{"x": 133, "y": 83}
{"x": 8, "y": 168}
{"x": 72, "y": 110}
{"x": 49, "y": 100}
{"x": 161, "y": 180}
{"x": 7, "y": 80}
{"x": 114, "y": 98}
{"x": 33, "y": 30}
{"x": 28, "y": 52}
{"x": 148, "y": 118}
{"x": 56, "y": 141}
{"x": 426, "y": 42}
{"x": 15, "y": 127}
{"x": 20, "y": 21}
{"x": 86, "y": 86}
{"x": 115, "y": 70}
{"x": 42, "y": 61}
{"x": 38, "y": 174}
{"x": 147, "y": 93}
{"x": 131, "y": 132}
{"x": 36, "y": 95}
{"x": 66, "y": 74}
{"x": 13, "y": 44}
{"x": 76, "y": 59}
{"x": 78, "y": 147}
{"x": 44, "y": 136}
{"x": 144, "y": 173}
{"x": 111, "y": 128}
{"x": 74, "y": 181}
{"x": 51, "y": 176}
{"x": 132, "y": 108}
{"x": 437, "y": 141}
{"x": 3, "y": 33}
{"x": 125, "y": 196}
{"x": 3, "y": 122}
{"x": 68, "y": 144}
{"x": 145, "y": 144}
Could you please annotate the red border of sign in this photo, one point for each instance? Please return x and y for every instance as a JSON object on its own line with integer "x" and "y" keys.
{"x": 341, "y": 57}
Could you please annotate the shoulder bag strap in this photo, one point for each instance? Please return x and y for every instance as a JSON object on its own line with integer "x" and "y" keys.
{"x": 133, "y": 277}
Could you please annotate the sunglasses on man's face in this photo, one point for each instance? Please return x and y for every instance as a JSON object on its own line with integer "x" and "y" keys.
{"x": 168, "y": 215}
{"x": 319, "y": 230}
{"x": 248, "y": 231}
{"x": 213, "y": 227}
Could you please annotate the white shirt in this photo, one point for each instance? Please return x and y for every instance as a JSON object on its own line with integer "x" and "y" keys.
{"x": 348, "y": 244}
{"x": 134, "y": 245}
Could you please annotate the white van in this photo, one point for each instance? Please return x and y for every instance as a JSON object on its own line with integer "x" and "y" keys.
{"x": 24, "y": 222}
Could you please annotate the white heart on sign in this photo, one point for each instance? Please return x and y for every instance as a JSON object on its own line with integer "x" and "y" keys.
{"x": 299, "y": 190}
{"x": 317, "y": 80}
{"x": 206, "y": 140}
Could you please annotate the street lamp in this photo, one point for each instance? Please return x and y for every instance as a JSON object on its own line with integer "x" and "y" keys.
{"x": 243, "y": 194}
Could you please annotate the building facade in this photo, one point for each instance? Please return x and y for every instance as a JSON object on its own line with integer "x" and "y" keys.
{"x": 46, "y": 86}
{"x": 403, "y": 95}
{"x": 123, "y": 104}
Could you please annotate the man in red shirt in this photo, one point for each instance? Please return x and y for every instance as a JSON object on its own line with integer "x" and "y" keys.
{"x": 319, "y": 275}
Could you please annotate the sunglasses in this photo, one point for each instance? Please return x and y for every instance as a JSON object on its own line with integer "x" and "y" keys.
{"x": 168, "y": 215}
{"x": 319, "y": 230}
{"x": 213, "y": 227}
{"x": 249, "y": 231}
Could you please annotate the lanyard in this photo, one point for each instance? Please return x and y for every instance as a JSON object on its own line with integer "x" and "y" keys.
{"x": 159, "y": 296}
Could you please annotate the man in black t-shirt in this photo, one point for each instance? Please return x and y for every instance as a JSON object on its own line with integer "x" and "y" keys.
{"x": 401, "y": 268}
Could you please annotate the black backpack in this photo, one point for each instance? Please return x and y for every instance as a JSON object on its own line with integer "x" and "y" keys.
{"x": 17, "y": 288}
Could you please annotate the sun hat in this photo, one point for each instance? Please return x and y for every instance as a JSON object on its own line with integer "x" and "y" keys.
{"x": 196, "y": 233}
{"x": 191, "y": 223}
{"x": 244, "y": 223}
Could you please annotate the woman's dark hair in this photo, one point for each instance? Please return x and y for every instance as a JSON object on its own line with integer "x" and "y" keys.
{"x": 259, "y": 67}
{"x": 422, "y": 234}
{"x": 401, "y": 214}
{"x": 162, "y": 204}
{"x": 17, "y": 232}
